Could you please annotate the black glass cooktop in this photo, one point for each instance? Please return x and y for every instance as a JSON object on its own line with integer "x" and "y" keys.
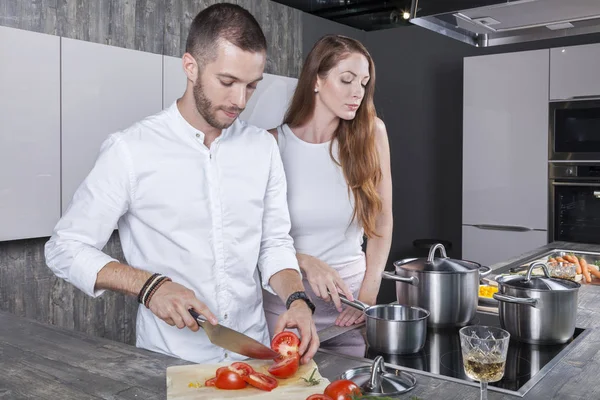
{"x": 442, "y": 356}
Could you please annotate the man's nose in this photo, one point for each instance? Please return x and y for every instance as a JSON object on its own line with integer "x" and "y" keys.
{"x": 240, "y": 98}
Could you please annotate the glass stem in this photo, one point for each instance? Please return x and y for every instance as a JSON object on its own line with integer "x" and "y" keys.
{"x": 484, "y": 391}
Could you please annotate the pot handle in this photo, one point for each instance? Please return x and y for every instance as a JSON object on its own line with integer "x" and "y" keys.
{"x": 516, "y": 300}
{"x": 413, "y": 280}
{"x": 359, "y": 305}
{"x": 484, "y": 271}
{"x": 532, "y": 266}
{"x": 431, "y": 255}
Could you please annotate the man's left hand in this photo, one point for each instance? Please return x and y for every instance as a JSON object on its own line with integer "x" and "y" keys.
{"x": 299, "y": 316}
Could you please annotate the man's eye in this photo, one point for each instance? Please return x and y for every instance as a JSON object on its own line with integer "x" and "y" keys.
{"x": 252, "y": 87}
{"x": 226, "y": 83}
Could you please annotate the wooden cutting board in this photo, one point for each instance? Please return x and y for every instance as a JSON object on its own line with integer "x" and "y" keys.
{"x": 180, "y": 377}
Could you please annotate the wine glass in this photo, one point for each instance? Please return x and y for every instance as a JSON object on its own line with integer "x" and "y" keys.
{"x": 484, "y": 350}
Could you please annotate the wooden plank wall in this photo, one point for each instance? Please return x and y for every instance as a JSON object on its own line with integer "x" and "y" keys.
{"x": 27, "y": 286}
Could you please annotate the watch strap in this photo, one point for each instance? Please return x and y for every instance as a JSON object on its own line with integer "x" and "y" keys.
{"x": 300, "y": 296}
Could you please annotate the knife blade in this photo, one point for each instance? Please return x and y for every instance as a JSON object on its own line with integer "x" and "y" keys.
{"x": 234, "y": 341}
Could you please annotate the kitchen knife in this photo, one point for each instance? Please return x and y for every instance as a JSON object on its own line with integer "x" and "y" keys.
{"x": 231, "y": 340}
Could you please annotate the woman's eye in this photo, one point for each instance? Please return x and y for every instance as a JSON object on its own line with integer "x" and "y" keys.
{"x": 346, "y": 82}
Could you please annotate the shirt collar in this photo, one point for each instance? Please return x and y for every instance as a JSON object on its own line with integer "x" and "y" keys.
{"x": 189, "y": 131}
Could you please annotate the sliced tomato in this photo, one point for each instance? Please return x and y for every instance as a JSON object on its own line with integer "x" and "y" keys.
{"x": 210, "y": 382}
{"x": 261, "y": 381}
{"x": 241, "y": 368}
{"x": 230, "y": 380}
{"x": 285, "y": 367}
{"x": 286, "y": 343}
{"x": 318, "y": 397}
{"x": 342, "y": 389}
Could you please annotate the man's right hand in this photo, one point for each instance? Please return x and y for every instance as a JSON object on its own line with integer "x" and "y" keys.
{"x": 171, "y": 303}
{"x": 322, "y": 278}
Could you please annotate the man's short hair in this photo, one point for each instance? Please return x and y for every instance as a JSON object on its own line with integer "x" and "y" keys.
{"x": 223, "y": 21}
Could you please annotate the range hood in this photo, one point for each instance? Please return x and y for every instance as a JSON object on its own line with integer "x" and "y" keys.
{"x": 485, "y": 23}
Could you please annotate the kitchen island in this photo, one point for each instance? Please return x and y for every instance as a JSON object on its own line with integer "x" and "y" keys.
{"x": 39, "y": 361}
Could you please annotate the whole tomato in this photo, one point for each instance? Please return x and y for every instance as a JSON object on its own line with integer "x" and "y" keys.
{"x": 342, "y": 389}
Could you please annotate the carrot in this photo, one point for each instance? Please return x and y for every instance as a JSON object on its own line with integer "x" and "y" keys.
{"x": 585, "y": 270}
{"x": 560, "y": 259}
{"x": 551, "y": 260}
{"x": 578, "y": 269}
{"x": 594, "y": 272}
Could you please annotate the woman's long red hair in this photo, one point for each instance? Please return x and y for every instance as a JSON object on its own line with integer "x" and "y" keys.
{"x": 358, "y": 156}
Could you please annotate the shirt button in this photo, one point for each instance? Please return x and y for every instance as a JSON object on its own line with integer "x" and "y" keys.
{"x": 197, "y": 135}
{"x": 225, "y": 316}
{"x": 226, "y": 355}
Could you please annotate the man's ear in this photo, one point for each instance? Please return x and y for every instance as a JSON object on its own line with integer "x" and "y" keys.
{"x": 190, "y": 67}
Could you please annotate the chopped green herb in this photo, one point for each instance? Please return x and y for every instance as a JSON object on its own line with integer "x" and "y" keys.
{"x": 312, "y": 381}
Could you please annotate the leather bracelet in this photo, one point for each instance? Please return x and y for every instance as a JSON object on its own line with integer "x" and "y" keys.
{"x": 151, "y": 287}
{"x": 300, "y": 296}
{"x": 162, "y": 281}
{"x": 145, "y": 287}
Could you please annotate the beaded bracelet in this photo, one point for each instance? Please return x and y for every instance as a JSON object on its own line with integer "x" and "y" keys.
{"x": 145, "y": 287}
{"x": 158, "y": 284}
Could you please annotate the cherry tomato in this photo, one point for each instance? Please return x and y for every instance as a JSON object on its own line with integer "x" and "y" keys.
{"x": 211, "y": 382}
{"x": 285, "y": 367}
{"x": 261, "y": 381}
{"x": 342, "y": 389}
{"x": 230, "y": 380}
{"x": 242, "y": 369}
{"x": 318, "y": 397}
{"x": 286, "y": 343}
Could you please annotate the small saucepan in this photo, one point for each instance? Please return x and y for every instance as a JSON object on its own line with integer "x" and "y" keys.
{"x": 393, "y": 328}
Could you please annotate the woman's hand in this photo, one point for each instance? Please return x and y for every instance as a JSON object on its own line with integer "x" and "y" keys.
{"x": 324, "y": 280}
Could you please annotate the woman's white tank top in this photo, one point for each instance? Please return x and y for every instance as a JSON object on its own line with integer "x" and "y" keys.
{"x": 319, "y": 201}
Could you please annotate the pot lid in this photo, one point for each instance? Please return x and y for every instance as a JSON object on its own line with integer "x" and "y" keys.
{"x": 438, "y": 264}
{"x": 376, "y": 380}
{"x": 543, "y": 283}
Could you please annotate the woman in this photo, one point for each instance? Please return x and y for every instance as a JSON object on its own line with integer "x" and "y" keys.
{"x": 337, "y": 163}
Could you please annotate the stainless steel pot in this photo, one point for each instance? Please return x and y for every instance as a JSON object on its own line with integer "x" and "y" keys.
{"x": 537, "y": 310}
{"x": 393, "y": 328}
{"x": 447, "y": 288}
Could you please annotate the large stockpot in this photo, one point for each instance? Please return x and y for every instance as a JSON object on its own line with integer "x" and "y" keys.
{"x": 447, "y": 288}
{"x": 393, "y": 328}
{"x": 537, "y": 310}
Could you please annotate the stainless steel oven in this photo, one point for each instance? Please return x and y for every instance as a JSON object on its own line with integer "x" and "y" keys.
{"x": 574, "y": 130}
{"x": 574, "y": 202}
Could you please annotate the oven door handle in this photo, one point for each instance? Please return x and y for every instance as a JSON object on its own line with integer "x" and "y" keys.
{"x": 577, "y": 184}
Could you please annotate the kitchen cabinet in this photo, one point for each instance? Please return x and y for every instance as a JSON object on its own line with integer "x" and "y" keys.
{"x": 104, "y": 89}
{"x": 265, "y": 108}
{"x": 29, "y": 133}
{"x": 490, "y": 246}
{"x": 505, "y": 143}
{"x": 574, "y": 72}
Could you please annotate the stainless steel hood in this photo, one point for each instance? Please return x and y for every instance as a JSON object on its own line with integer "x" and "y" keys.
{"x": 485, "y": 23}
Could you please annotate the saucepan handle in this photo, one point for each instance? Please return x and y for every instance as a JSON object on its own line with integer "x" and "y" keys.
{"x": 484, "y": 271}
{"x": 528, "y": 301}
{"x": 413, "y": 280}
{"x": 359, "y": 305}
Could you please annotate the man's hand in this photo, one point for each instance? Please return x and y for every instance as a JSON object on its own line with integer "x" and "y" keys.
{"x": 171, "y": 303}
{"x": 299, "y": 316}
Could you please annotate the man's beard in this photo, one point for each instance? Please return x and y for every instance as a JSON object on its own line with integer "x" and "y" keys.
{"x": 208, "y": 111}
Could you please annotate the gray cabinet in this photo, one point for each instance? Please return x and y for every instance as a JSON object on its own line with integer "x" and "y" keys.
{"x": 574, "y": 72}
{"x": 505, "y": 148}
{"x": 104, "y": 89}
{"x": 29, "y": 133}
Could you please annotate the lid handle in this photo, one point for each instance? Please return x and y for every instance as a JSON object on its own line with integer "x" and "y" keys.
{"x": 432, "y": 252}
{"x": 377, "y": 369}
{"x": 531, "y": 268}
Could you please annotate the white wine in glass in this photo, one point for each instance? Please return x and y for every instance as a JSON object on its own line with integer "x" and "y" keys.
{"x": 484, "y": 350}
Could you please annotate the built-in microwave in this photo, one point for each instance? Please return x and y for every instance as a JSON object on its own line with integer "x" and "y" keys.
{"x": 574, "y": 130}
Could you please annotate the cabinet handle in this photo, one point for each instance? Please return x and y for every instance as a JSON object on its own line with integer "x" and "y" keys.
{"x": 510, "y": 228}
{"x": 588, "y": 184}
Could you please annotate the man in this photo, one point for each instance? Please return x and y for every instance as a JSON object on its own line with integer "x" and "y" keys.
{"x": 200, "y": 201}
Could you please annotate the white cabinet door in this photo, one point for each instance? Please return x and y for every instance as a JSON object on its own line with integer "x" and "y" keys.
{"x": 266, "y": 107}
{"x": 574, "y": 72}
{"x": 29, "y": 133}
{"x": 104, "y": 89}
{"x": 505, "y": 140}
{"x": 488, "y": 247}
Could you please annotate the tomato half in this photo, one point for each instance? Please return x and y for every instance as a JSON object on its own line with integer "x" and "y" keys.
{"x": 342, "y": 389}
{"x": 318, "y": 397}
{"x": 230, "y": 380}
{"x": 221, "y": 369}
{"x": 286, "y": 343}
{"x": 261, "y": 381}
{"x": 211, "y": 382}
{"x": 241, "y": 368}
{"x": 285, "y": 367}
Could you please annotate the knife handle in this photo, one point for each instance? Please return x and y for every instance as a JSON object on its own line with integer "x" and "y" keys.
{"x": 199, "y": 318}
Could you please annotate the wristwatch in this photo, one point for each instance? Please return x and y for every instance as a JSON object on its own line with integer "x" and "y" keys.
{"x": 300, "y": 296}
